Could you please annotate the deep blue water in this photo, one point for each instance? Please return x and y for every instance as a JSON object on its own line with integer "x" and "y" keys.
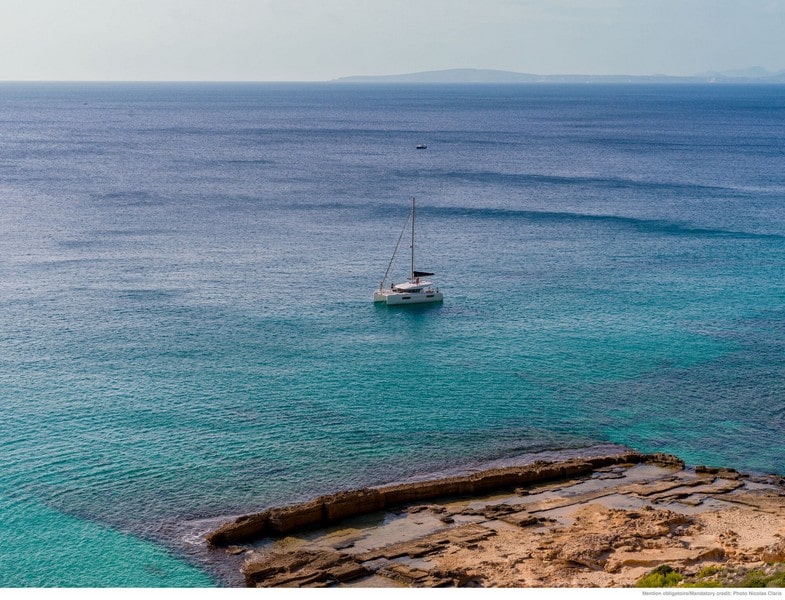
{"x": 186, "y": 325}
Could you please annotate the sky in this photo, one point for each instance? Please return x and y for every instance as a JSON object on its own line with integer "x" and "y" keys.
{"x": 316, "y": 40}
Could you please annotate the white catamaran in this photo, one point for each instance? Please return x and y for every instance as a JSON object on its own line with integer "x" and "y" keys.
{"x": 416, "y": 290}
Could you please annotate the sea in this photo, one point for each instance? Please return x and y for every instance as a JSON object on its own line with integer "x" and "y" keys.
{"x": 187, "y": 330}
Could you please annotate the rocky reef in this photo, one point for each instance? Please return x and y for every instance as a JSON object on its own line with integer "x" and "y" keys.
{"x": 335, "y": 507}
{"x": 599, "y": 521}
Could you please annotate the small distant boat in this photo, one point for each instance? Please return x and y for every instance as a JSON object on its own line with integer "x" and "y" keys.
{"x": 421, "y": 146}
{"x": 416, "y": 290}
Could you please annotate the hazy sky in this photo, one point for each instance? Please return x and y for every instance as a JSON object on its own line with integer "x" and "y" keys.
{"x": 282, "y": 40}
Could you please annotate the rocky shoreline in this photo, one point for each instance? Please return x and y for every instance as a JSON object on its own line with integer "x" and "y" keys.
{"x": 602, "y": 521}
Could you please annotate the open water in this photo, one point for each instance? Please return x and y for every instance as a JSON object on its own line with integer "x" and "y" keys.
{"x": 186, "y": 325}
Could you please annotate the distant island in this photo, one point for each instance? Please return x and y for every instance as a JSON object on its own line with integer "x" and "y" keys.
{"x": 740, "y": 76}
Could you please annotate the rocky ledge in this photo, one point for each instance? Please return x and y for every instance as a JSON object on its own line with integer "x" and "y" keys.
{"x": 600, "y": 521}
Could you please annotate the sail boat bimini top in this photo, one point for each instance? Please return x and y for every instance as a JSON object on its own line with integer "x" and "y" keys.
{"x": 416, "y": 290}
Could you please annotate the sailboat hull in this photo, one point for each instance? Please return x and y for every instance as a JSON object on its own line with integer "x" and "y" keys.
{"x": 392, "y": 298}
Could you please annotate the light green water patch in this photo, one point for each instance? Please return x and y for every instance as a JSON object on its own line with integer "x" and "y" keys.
{"x": 40, "y": 547}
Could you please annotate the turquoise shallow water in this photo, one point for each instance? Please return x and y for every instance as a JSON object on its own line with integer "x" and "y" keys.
{"x": 64, "y": 551}
{"x": 186, "y": 329}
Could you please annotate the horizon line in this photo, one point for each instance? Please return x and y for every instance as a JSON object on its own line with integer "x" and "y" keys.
{"x": 734, "y": 76}
{"x": 694, "y": 79}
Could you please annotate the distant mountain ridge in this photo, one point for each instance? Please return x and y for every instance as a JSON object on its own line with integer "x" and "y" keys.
{"x": 750, "y": 75}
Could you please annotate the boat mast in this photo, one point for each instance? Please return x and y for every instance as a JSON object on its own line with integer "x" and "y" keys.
{"x": 395, "y": 253}
{"x": 412, "y": 278}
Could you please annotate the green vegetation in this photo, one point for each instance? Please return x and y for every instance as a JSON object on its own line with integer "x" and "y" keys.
{"x": 709, "y": 571}
{"x": 714, "y": 576}
{"x": 702, "y": 578}
{"x": 662, "y": 576}
{"x": 760, "y": 579}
